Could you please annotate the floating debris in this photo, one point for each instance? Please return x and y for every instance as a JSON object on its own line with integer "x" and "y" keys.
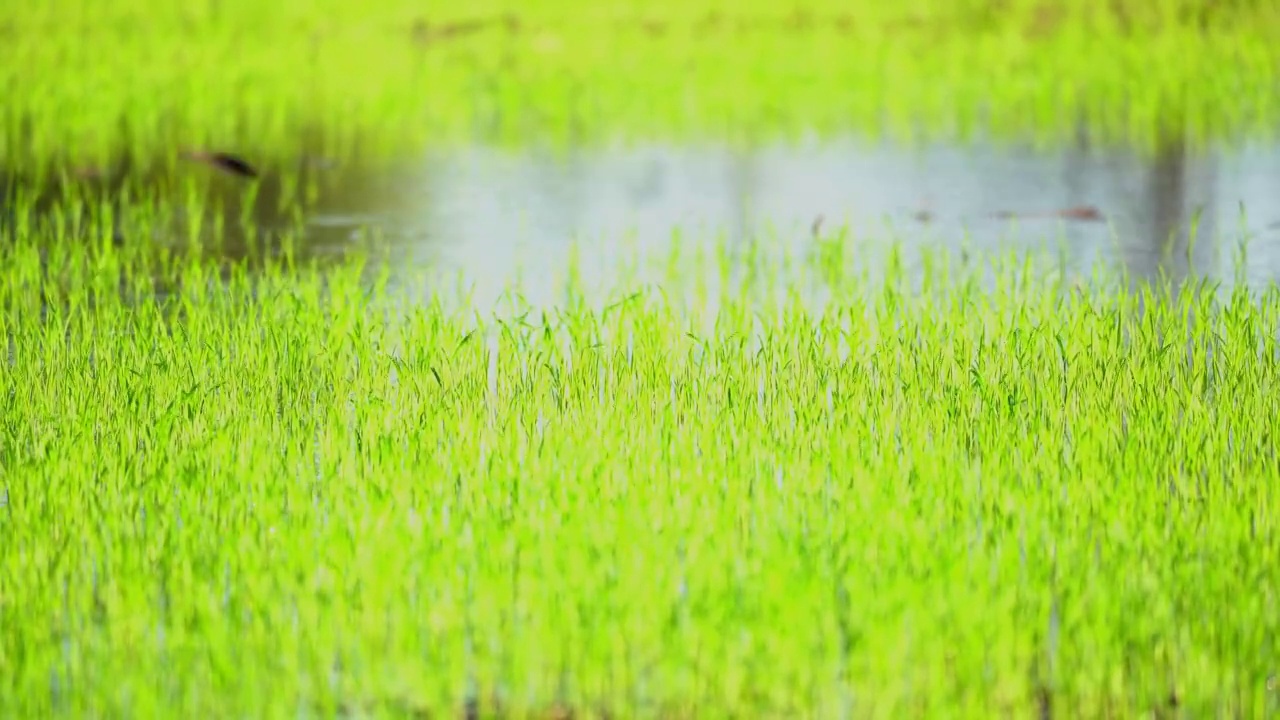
{"x": 223, "y": 161}
{"x": 1080, "y": 212}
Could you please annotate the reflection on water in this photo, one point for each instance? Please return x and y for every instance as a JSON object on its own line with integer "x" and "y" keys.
{"x": 491, "y": 216}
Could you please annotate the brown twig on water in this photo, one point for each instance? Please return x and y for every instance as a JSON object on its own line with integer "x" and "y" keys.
{"x": 223, "y": 161}
{"x": 1080, "y": 212}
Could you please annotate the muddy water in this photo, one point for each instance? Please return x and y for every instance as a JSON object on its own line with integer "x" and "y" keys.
{"x": 493, "y": 218}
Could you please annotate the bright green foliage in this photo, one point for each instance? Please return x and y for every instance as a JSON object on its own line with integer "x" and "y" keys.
{"x": 235, "y": 486}
{"x": 93, "y": 82}
{"x": 292, "y": 493}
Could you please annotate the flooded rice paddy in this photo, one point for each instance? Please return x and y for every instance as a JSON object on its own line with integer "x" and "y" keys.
{"x": 493, "y": 219}
{"x": 234, "y": 485}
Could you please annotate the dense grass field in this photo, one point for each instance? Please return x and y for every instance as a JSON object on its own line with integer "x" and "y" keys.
{"x": 95, "y": 83}
{"x": 290, "y": 493}
{"x": 234, "y": 483}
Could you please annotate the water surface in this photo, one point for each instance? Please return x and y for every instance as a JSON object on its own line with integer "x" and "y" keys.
{"x": 490, "y": 218}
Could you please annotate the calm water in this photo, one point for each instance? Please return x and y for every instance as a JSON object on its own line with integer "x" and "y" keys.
{"x": 490, "y": 218}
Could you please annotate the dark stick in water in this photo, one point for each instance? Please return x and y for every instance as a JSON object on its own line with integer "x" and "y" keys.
{"x": 223, "y": 161}
{"x": 1082, "y": 212}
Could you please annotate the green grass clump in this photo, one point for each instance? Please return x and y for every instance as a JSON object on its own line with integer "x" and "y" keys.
{"x": 290, "y": 493}
{"x": 134, "y": 81}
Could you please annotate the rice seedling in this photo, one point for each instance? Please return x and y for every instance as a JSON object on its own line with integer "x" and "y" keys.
{"x": 131, "y": 81}
{"x": 290, "y": 493}
{"x": 234, "y": 482}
